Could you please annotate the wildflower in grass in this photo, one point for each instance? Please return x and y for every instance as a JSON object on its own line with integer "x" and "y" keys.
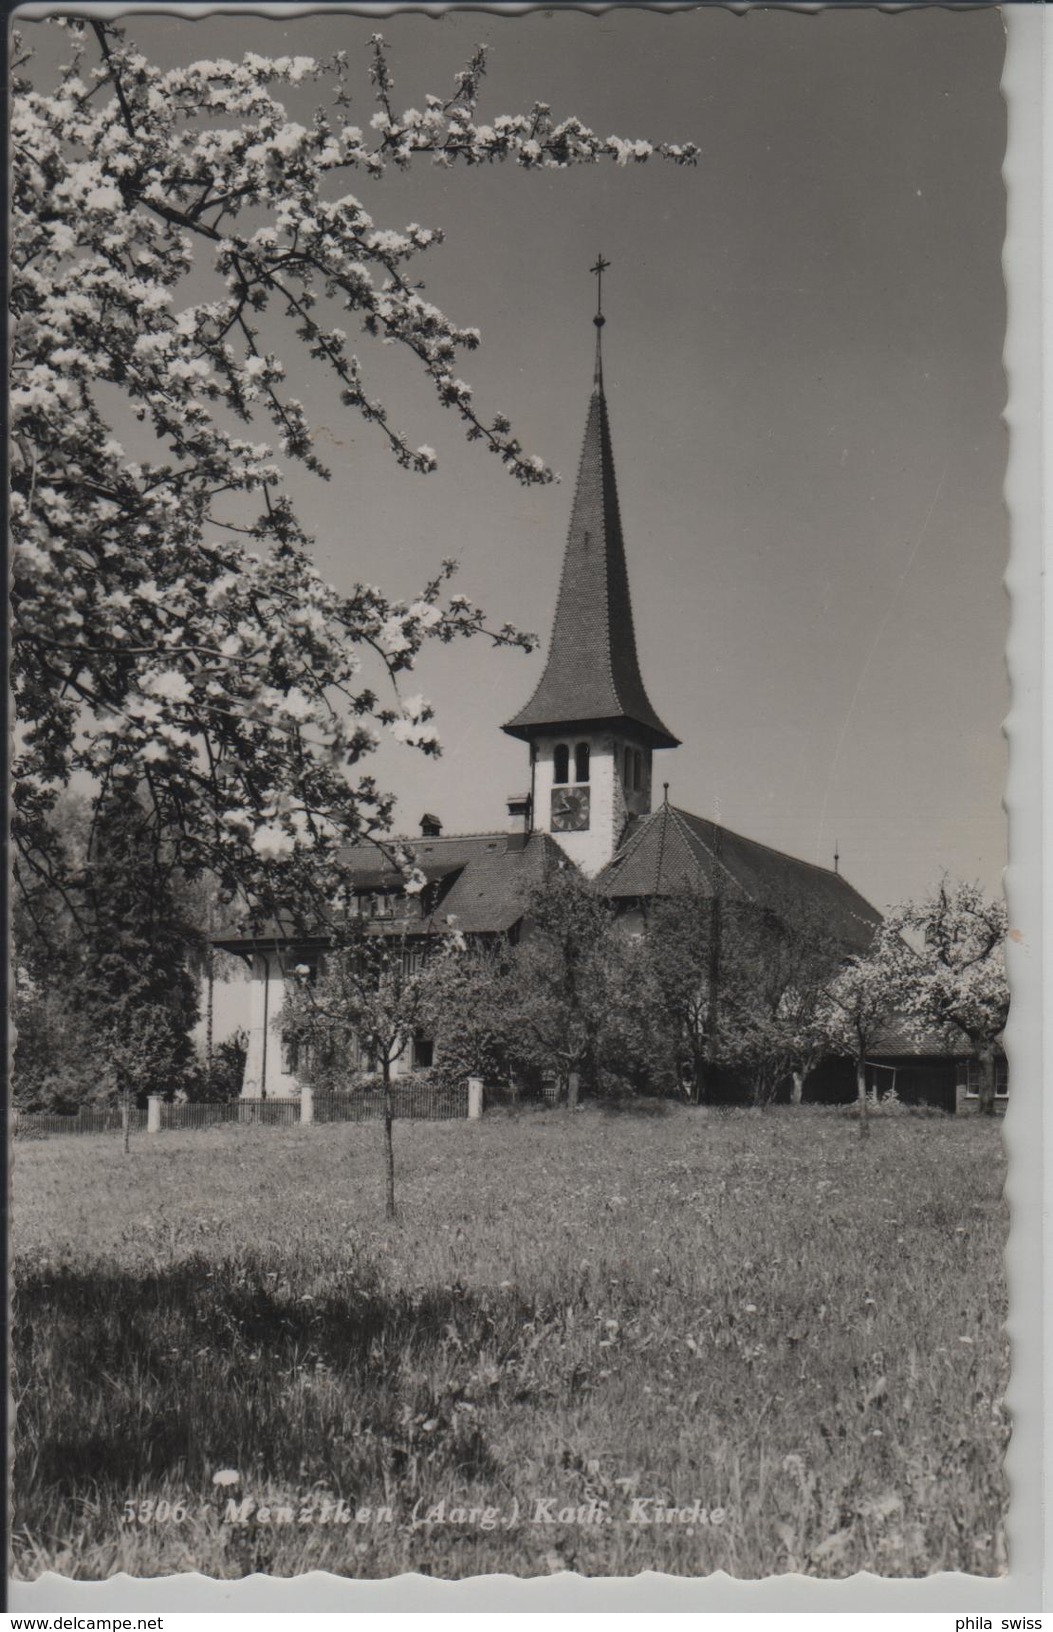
{"x": 226, "y": 1476}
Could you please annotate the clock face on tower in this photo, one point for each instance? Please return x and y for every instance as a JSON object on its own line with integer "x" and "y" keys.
{"x": 570, "y": 810}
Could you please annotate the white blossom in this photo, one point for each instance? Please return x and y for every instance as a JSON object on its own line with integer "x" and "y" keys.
{"x": 170, "y": 684}
{"x": 151, "y": 635}
{"x": 272, "y": 841}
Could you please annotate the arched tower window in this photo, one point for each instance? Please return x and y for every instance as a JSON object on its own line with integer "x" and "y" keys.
{"x": 560, "y": 762}
{"x": 628, "y": 769}
{"x": 581, "y": 762}
{"x": 637, "y": 770}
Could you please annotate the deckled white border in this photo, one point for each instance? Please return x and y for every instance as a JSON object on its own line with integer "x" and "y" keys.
{"x": 1028, "y": 87}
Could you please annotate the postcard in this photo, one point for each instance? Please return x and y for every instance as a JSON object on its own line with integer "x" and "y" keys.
{"x": 511, "y": 955}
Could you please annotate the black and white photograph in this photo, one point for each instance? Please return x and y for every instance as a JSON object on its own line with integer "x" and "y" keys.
{"x": 508, "y": 657}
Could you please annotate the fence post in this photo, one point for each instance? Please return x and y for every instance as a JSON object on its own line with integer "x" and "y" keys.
{"x": 475, "y": 1098}
{"x": 153, "y": 1113}
{"x": 306, "y": 1103}
{"x": 573, "y": 1081}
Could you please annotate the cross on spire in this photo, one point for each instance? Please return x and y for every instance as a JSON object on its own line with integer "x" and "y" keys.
{"x": 599, "y": 269}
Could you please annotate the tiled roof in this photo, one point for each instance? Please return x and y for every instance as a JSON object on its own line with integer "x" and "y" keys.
{"x": 671, "y": 851}
{"x": 592, "y": 673}
{"x": 489, "y": 893}
{"x": 899, "y": 1039}
{"x": 383, "y": 875}
{"x": 482, "y": 882}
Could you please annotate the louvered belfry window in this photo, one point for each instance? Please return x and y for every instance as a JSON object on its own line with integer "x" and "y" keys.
{"x": 560, "y": 762}
{"x": 581, "y": 762}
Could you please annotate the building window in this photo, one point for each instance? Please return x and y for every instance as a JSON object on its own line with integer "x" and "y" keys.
{"x": 561, "y": 763}
{"x": 973, "y": 1075}
{"x": 290, "y": 1054}
{"x": 637, "y": 770}
{"x": 628, "y": 769}
{"x": 423, "y": 1053}
{"x": 581, "y": 762}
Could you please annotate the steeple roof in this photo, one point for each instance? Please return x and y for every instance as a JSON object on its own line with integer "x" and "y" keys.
{"x": 592, "y": 674}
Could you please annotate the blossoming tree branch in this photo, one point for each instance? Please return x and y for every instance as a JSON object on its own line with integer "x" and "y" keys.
{"x": 171, "y": 633}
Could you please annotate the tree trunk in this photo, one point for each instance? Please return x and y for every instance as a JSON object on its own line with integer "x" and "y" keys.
{"x": 389, "y": 1148}
{"x": 573, "y": 1083}
{"x": 987, "y": 1079}
{"x": 861, "y": 1089}
{"x": 210, "y": 998}
{"x": 797, "y": 1092}
{"x": 698, "y": 1068}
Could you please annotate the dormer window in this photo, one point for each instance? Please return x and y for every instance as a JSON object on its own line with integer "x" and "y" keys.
{"x": 581, "y": 762}
{"x": 561, "y": 763}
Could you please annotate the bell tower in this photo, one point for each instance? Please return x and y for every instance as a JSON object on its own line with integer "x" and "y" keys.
{"x": 590, "y": 725}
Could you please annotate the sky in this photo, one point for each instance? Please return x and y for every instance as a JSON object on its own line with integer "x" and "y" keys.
{"x": 802, "y": 360}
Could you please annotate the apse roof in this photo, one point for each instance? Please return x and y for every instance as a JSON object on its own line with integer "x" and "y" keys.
{"x": 671, "y": 852}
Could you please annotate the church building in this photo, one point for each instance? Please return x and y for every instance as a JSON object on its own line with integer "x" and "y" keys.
{"x": 591, "y": 735}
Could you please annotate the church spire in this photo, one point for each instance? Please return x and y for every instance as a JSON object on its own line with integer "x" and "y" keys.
{"x": 592, "y": 675}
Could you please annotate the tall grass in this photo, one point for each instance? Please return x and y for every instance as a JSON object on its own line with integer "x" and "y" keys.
{"x": 759, "y": 1313}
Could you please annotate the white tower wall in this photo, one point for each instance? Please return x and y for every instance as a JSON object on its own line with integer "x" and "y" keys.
{"x": 610, "y": 802}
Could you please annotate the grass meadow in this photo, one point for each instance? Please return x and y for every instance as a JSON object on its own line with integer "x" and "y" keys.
{"x": 602, "y": 1342}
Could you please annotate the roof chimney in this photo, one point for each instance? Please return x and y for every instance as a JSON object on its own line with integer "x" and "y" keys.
{"x": 519, "y": 813}
{"x": 430, "y": 826}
